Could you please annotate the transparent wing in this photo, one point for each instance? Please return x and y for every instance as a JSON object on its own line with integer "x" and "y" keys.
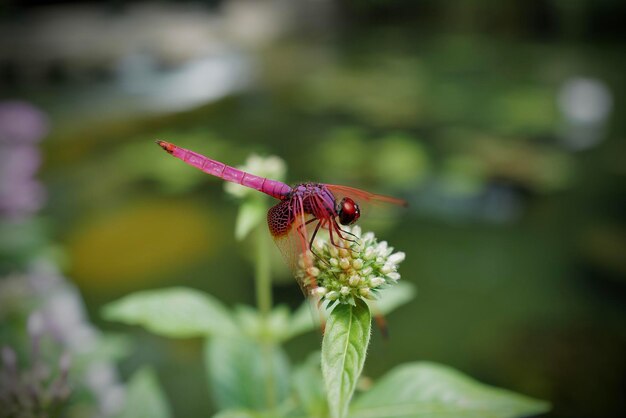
{"x": 359, "y": 195}
{"x": 292, "y": 234}
{"x": 375, "y": 209}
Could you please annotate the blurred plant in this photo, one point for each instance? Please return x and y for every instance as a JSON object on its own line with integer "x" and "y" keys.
{"x": 249, "y": 371}
{"x": 21, "y": 127}
{"x": 397, "y": 160}
{"x": 21, "y": 195}
{"x": 54, "y": 308}
{"x": 34, "y": 295}
{"x": 36, "y": 391}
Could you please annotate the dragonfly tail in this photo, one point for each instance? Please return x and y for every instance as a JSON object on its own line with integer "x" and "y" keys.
{"x": 273, "y": 188}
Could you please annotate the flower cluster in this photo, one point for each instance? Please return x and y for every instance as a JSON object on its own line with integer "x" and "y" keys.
{"x": 36, "y": 293}
{"x": 57, "y": 315}
{"x": 359, "y": 270}
{"x": 40, "y": 389}
{"x": 21, "y": 127}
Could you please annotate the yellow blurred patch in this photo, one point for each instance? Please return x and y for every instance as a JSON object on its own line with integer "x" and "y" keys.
{"x": 139, "y": 245}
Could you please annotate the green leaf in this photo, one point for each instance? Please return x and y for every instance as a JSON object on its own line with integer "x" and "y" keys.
{"x": 309, "y": 387}
{"x": 243, "y": 413}
{"x": 344, "y": 346}
{"x": 253, "y": 212}
{"x": 144, "y": 398}
{"x": 273, "y": 328}
{"x": 235, "y": 413}
{"x": 393, "y": 297}
{"x": 429, "y": 390}
{"x": 245, "y": 374}
{"x": 176, "y": 312}
{"x": 301, "y": 321}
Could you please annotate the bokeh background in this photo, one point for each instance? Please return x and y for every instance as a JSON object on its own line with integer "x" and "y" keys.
{"x": 502, "y": 123}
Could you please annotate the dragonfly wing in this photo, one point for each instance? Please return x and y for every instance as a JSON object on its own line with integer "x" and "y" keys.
{"x": 362, "y": 196}
{"x": 291, "y": 230}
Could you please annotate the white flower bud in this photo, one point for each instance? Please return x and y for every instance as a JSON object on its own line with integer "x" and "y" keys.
{"x": 394, "y": 276}
{"x": 377, "y": 281}
{"x": 356, "y": 230}
{"x": 344, "y": 263}
{"x": 343, "y": 252}
{"x": 333, "y": 262}
{"x": 365, "y": 292}
{"x": 313, "y": 271}
{"x": 319, "y": 245}
{"x": 368, "y": 237}
{"x": 366, "y": 271}
{"x": 369, "y": 253}
{"x": 354, "y": 281}
{"x": 333, "y": 250}
{"x": 381, "y": 248}
{"x": 397, "y": 258}
{"x": 357, "y": 264}
{"x": 387, "y": 268}
{"x": 334, "y": 295}
{"x": 320, "y": 291}
{"x": 345, "y": 290}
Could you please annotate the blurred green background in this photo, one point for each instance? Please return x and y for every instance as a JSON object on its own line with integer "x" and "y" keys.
{"x": 502, "y": 123}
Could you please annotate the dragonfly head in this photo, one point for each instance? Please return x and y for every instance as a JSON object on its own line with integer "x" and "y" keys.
{"x": 348, "y": 211}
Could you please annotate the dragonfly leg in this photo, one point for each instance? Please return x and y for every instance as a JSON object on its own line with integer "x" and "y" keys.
{"x": 311, "y": 281}
{"x": 302, "y": 226}
{"x": 332, "y": 239}
{"x": 339, "y": 231}
{"x": 317, "y": 227}
{"x": 356, "y": 239}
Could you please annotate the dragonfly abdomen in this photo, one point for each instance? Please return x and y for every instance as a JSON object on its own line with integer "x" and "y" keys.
{"x": 273, "y": 188}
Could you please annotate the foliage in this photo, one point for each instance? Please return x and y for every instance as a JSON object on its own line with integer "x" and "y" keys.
{"x": 343, "y": 353}
{"x": 144, "y": 397}
{"x": 238, "y": 374}
{"x": 251, "y": 376}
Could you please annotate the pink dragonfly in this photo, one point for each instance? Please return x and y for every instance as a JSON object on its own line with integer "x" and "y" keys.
{"x": 305, "y": 206}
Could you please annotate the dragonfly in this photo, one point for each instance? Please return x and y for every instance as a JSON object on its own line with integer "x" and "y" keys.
{"x": 301, "y": 212}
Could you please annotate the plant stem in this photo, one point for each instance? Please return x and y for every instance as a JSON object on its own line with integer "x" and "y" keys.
{"x": 264, "y": 303}
{"x": 262, "y": 273}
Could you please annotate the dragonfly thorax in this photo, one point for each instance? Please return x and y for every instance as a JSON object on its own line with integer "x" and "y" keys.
{"x": 316, "y": 199}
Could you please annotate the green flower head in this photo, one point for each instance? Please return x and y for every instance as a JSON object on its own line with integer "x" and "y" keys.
{"x": 359, "y": 269}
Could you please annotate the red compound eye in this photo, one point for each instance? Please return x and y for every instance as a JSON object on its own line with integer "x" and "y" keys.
{"x": 348, "y": 211}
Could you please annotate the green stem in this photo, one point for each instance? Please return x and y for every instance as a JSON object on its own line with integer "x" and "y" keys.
{"x": 262, "y": 273}
{"x": 264, "y": 303}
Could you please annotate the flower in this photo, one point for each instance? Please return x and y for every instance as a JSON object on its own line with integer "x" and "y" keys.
{"x": 272, "y": 167}
{"x": 356, "y": 270}
{"x": 39, "y": 389}
{"x": 54, "y": 311}
{"x": 21, "y": 127}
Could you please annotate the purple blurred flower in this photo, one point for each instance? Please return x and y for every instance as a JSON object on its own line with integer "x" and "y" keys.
{"x": 21, "y": 123}
{"x": 59, "y": 316}
{"x": 39, "y": 390}
{"x": 21, "y": 127}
